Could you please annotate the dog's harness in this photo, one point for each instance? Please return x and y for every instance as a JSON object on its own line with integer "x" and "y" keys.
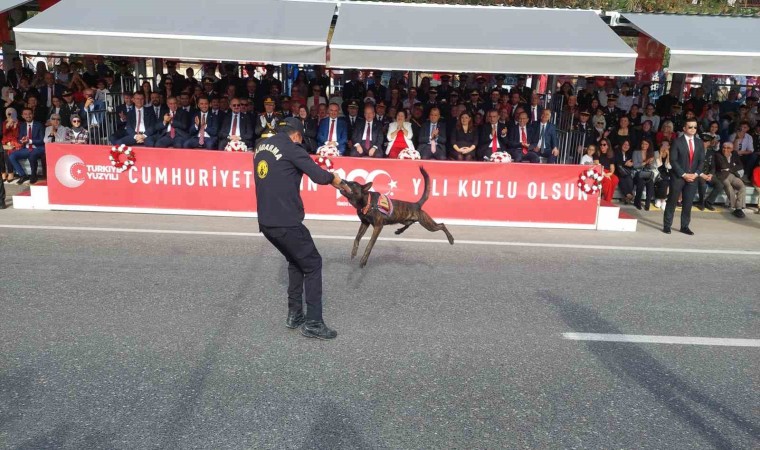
{"x": 378, "y": 202}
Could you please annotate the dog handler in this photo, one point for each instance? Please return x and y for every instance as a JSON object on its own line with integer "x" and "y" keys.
{"x": 280, "y": 163}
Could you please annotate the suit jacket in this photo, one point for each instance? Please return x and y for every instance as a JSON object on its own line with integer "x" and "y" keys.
{"x": 212, "y": 124}
{"x": 550, "y": 139}
{"x": 513, "y": 138}
{"x": 57, "y": 91}
{"x": 425, "y": 134}
{"x": 724, "y": 167}
{"x": 310, "y": 135}
{"x": 341, "y": 132}
{"x": 539, "y": 111}
{"x": 588, "y": 131}
{"x": 13, "y": 77}
{"x": 122, "y": 109}
{"x": 163, "y": 109}
{"x": 181, "y": 124}
{"x": 149, "y": 120}
{"x": 679, "y": 156}
{"x": 261, "y": 120}
{"x": 485, "y": 139}
{"x": 376, "y": 140}
{"x": 246, "y": 129}
{"x": 38, "y": 133}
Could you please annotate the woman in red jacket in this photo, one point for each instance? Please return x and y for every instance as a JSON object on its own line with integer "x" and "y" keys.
{"x": 10, "y": 142}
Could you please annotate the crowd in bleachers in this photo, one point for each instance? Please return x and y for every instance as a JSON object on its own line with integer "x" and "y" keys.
{"x": 459, "y": 117}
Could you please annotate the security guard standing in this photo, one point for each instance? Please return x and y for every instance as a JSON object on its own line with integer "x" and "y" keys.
{"x": 280, "y": 163}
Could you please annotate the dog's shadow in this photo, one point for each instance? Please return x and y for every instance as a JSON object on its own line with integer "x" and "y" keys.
{"x": 386, "y": 258}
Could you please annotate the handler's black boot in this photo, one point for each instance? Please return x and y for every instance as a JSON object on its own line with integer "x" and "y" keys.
{"x": 317, "y": 329}
{"x": 295, "y": 319}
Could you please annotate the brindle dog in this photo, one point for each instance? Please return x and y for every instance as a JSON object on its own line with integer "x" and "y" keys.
{"x": 378, "y": 213}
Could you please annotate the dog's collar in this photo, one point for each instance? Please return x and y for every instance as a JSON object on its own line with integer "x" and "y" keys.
{"x": 378, "y": 202}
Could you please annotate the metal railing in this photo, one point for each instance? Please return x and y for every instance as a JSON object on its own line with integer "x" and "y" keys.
{"x": 571, "y": 146}
{"x": 101, "y": 124}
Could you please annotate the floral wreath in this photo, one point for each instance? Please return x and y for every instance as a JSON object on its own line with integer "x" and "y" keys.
{"x": 115, "y": 157}
{"x": 590, "y": 181}
{"x": 324, "y": 163}
{"x": 501, "y": 157}
{"x": 236, "y": 146}
{"x": 326, "y": 151}
{"x": 409, "y": 153}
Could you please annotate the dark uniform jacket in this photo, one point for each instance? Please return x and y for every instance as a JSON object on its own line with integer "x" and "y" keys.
{"x": 279, "y": 165}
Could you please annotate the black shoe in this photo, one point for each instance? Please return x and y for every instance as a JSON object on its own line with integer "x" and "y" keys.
{"x": 2, "y": 204}
{"x": 700, "y": 206}
{"x": 314, "y": 329}
{"x": 709, "y": 206}
{"x": 32, "y": 180}
{"x": 646, "y": 207}
{"x": 738, "y": 213}
{"x": 637, "y": 205}
{"x": 687, "y": 231}
{"x": 295, "y": 319}
{"x": 22, "y": 179}
{"x": 666, "y": 230}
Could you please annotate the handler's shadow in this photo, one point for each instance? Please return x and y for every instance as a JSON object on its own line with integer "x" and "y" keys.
{"x": 631, "y": 362}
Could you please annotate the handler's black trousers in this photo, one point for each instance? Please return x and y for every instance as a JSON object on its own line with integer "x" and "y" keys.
{"x": 304, "y": 267}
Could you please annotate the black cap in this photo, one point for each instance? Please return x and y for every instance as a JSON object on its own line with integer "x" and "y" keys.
{"x": 208, "y": 80}
{"x": 445, "y": 77}
{"x": 381, "y": 103}
{"x": 432, "y": 90}
{"x": 612, "y": 97}
{"x": 480, "y": 78}
{"x": 585, "y": 113}
{"x": 289, "y": 124}
{"x": 284, "y": 98}
{"x": 66, "y": 93}
{"x": 353, "y": 104}
{"x": 501, "y": 76}
{"x": 109, "y": 73}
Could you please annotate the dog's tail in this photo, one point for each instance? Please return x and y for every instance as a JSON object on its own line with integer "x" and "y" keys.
{"x": 426, "y": 191}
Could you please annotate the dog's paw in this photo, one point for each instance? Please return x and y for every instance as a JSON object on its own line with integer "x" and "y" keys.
{"x": 399, "y": 231}
{"x": 363, "y": 263}
{"x": 451, "y": 240}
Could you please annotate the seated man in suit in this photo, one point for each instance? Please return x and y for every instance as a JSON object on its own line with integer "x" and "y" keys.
{"x": 518, "y": 138}
{"x": 121, "y": 118}
{"x": 368, "y": 135}
{"x": 333, "y": 130}
{"x": 204, "y": 129}
{"x": 433, "y": 137}
{"x": 235, "y": 127}
{"x": 729, "y": 167}
{"x": 174, "y": 128}
{"x": 493, "y": 137}
{"x": 32, "y": 137}
{"x": 543, "y": 139}
{"x": 140, "y": 123}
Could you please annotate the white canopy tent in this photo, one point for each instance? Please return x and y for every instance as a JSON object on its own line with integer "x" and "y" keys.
{"x": 274, "y": 31}
{"x": 709, "y": 45}
{"x": 433, "y": 37}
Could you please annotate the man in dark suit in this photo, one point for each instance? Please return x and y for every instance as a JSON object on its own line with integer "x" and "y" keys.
{"x": 520, "y": 88}
{"x": 351, "y": 119}
{"x": 433, "y": 137}
{"x": 535, "y": 109}
{"x": 49, "y": 90}
{"x": 493, "y": 137}
{"x": 368, "y": 135}
{"x": 687, "y": 160}
{"x": 543, "y": 140}
{"x": 333, "y": 130}
{"x": 121, "y": 118}
{"x": 584, "y": 126}
{"x": 69, "y": 108}
{"x": 159, "y": 109}
{"x": 204, "y": 128}
{"x": 235, "y": 127}
{"x": 174, "y": 128}
{"x": 32, "y": 137}
{"x": 612, "y": 113}
{"x": 18, "y": 72}
{"x": 141, "y": 121}
{"x": 728, "y": 166}
{"x": 354, "y": 88}
{"x": 518, "y": 138}
{"x": 266, "y": 122}
{"x": 493, "y": 100}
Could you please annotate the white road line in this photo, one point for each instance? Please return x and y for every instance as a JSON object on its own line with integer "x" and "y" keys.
{"x": 640, "y": 338}
{"x": 393, "y": 239}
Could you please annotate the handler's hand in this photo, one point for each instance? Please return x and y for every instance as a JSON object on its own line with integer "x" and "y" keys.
{"x": 338, "y": 183}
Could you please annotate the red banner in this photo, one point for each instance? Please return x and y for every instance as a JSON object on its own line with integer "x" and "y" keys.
{"x": 207, "y": 182}
{"x": 651, "y": 56}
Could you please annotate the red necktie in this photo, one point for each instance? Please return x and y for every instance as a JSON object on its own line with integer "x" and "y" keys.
{"x": 29, "y": 136}
{"x": 691, "y": 152}
{"x": 368, "y": 138}
{"x": 494, "y": 145}
{"x": 171, "y": 124}
{"x": 234, "y": 125}
{"x": 524, "y": 139}
{"x": 202, "y": 133}
{"x": 137, "y": 124}
{"x": 332, "y": 130}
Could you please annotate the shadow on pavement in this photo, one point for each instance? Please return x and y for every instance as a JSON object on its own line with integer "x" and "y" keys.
{"x": 630, "y": 361}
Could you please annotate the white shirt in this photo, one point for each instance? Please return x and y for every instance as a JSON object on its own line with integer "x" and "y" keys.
{"x": 169, "y": 127}
{"x": 494, "y": 132}
{"x": 140, "y": 125}
{"x": 367, "y": 131}
{"x": 746, "y": 144}
{"x": 541, "y": 132}
{"x": 204, "y": 118}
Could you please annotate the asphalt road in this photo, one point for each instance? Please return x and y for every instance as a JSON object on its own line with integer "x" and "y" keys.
{"x": 127, "y": 340}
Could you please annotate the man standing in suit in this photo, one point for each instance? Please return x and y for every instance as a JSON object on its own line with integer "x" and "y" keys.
{"x": 433, "y": 137}
{"x": 535, "y": 109}
{"x": 686, "y": 158}
{"x": 32, "y": 137}
{"x": 140, "y": 122}
{"x": 235, "y": 127}
{"x": 49, "y": 90}
{"x": 333, "y": 130}
{"x": 544, "y": 140}
{"x": 493, "y": 137}
{"x": 204, "y": 129}
{"x": 173, "y": 131}
{"x": 352, "y": 119}
{"x": 368, "y": 135}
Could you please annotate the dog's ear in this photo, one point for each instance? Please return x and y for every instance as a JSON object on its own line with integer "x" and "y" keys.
{"x": 366, "y": 187}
